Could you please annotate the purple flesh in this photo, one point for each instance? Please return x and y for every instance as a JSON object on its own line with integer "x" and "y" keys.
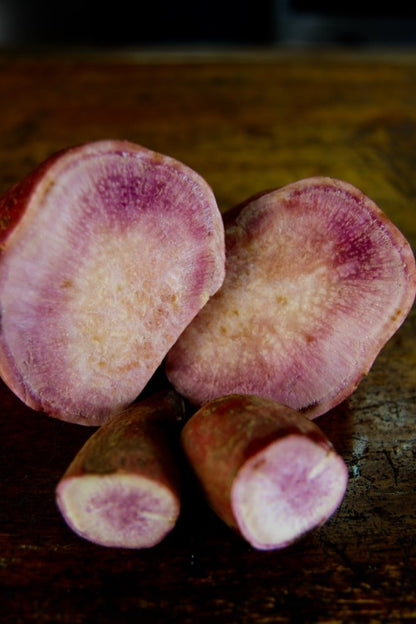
{"x": 286, "y": 490}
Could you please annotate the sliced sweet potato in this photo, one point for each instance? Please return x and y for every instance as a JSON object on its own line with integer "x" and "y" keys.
{"x": 123, "y": 487}
{"x": 317, "y": 281}
{"x": 269, "y": 472}
{"x": 108, "y": 250}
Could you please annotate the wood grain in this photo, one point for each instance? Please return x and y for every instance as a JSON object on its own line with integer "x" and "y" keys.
{"x": 246, "y": 123}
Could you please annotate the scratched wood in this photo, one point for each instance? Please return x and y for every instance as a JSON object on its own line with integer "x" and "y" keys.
{"x": 246, "y": 124}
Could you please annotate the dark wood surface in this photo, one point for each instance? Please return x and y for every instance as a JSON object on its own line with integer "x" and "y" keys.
{"x": 246, "y": 123}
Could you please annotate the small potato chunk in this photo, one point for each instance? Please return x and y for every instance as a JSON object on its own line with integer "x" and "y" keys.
{"x": 269, "y": 472}
{"x": 122, "y": 488}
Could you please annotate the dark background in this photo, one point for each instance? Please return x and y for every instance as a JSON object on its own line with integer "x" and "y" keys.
{"x": 205, "y": 22}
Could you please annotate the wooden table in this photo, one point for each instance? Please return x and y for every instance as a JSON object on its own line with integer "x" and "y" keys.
{"x": 246, "y": 122}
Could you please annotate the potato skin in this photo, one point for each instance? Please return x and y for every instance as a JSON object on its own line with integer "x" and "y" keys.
{"x": 139, "y": 439}
{"x": 14, "y": 201}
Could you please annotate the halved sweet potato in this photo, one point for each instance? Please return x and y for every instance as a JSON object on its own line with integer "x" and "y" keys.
{"x": 317, "y": 280}
{"x": 108, "y": 250}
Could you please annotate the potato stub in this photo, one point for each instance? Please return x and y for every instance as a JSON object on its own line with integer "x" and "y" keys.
{"x": 318, "y": 279}
{"x": 268, "y": 472}
{"x": 123, "y": 487}
{"x": 109, "y": 250}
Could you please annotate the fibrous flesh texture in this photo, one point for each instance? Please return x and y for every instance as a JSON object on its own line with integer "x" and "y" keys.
{"x": 108, "y": 252}
{"x": 317, "y": 280}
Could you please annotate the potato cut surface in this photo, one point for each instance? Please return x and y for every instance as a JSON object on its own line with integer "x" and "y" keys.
{"x": 286, "y": 490}
{"x": 115, "y": 251}
{"x": 317, "y": 280}
{"x": 126, "y": 511}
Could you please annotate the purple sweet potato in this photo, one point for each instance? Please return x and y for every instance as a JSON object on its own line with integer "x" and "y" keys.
{"x": 123, "y": 487}
{"x": 268, "y": 471}
{"x": 318, "y": 279}
{"x": 108, "y": 251}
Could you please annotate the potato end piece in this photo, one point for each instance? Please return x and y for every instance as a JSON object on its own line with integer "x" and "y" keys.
{"x": 118, "y": 510}
{"x": 287, "y": 489}
{"x": 268, "y": 472}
